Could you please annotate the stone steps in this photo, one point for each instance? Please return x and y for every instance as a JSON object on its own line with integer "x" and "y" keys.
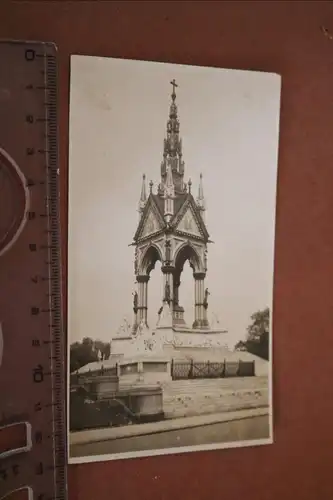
{"x": 199, "y": 406}
{"x": 213, "y": 385}
{"x": 196, "y": 397}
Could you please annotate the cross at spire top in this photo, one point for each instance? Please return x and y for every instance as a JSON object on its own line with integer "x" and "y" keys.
{"x": 174, "y": 85}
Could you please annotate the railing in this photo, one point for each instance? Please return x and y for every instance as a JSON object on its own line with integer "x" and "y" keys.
{"x": 193, "y": 370}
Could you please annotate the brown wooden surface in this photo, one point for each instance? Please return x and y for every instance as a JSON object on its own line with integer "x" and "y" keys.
{"x": 287, "y": 38}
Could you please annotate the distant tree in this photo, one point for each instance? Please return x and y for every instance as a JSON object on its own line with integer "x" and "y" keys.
{"x": 82, "y": 353}
{"x": 103, "y": 349}
{"x": 87, "y": 351}
{"x": 107, "y": 350}
{"x": 257, "y": 339}
{"x": 240, "y": 346}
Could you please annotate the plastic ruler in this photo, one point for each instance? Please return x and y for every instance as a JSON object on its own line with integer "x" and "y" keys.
{"x": 32, "y": 362}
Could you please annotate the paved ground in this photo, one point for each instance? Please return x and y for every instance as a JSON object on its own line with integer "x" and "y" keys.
{"x": 198, "y": 412}
{"x": 243, "y": 426}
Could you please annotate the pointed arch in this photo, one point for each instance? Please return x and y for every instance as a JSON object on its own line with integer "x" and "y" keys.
{"x": 187, "y": 252}
{"x": 149, "y": 259}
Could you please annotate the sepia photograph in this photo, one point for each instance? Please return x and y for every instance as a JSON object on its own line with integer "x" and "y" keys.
{"x": 172, "y": 201}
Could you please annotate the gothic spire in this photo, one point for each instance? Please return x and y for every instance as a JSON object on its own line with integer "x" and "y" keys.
{"x": 169, "y": 194}
{"x": 172, "y": 148}
{"x": 143, "y": 196}
{"x": 201, "y": 199}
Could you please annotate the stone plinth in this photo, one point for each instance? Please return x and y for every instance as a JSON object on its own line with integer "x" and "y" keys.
{"x": 103, "y": 386}
{"x": 178, "y": 316}
{"x": 165, "y": 319}
{"x": 146, "y": 402}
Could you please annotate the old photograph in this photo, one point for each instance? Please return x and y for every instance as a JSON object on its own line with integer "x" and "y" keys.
{"x": 172, "y": 200}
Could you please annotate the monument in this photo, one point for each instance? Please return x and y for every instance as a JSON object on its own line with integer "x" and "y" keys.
{"x": 171, "y": 230}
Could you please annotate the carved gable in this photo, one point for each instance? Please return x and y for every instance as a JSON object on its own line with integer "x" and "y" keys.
{"x": 188, "y": 224}
{"x": 151, "y": 224}
{"x": 151, "y": 221}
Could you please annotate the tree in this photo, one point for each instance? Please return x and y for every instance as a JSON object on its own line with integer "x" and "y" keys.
{"x": 82, "y": 353}
{"x": 103, "y": 349}
{"x": 107, "y": 350}
{"x": 257, "y": 339}
{"x": 87, "y": 351}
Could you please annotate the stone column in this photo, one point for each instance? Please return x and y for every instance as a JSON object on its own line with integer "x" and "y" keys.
{"x": 176, "y": 285}
{"x": 168, "y": 272}
{"x": 142, "y": 312}
{"x": 199, "y": 292}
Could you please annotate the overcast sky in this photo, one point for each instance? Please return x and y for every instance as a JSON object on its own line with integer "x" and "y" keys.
{"x": 229, "y": 123}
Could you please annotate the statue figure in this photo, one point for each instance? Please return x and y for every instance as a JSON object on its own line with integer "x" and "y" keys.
{"x": 141, "y": 327}
{"x": 206, "y": 298}
{"x": 135, "y": 300}
{"x": 149, "y": 344}
{"x": 167, "y": 293}
{"x": 205, "y": 258}
{"x": 188, "y": 223}
{"x": 136, "y": 259}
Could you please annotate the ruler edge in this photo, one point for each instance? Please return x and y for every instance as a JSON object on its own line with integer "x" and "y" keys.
{"x": 59, "y": 266}
{"x": 15, "y": 41}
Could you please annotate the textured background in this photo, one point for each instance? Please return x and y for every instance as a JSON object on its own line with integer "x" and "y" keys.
{"x": 283, "y": 37}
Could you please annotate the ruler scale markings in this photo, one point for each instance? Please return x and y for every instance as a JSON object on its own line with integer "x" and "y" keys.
{"x": 28, "y": 123}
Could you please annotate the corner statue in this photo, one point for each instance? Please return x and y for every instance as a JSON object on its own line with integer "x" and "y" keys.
{"x": 135, "y": 301}
{"x": 167, "y": 293}
{"x": 205, "y": 302}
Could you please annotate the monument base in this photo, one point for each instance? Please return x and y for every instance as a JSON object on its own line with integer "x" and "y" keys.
{"x": 145, "y": 356}
{"x": 166, "y": 343}
{"x": 166, "y": 336}
{"x": 175, "y": 337}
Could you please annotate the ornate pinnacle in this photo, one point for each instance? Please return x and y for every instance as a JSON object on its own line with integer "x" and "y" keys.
{"x": 201, "y": 199}
{"x": 143, "y": 196}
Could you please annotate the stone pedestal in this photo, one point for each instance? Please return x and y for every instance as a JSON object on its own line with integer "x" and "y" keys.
{"x": 165, "y": 317}
{"x": 178, "y": 316}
